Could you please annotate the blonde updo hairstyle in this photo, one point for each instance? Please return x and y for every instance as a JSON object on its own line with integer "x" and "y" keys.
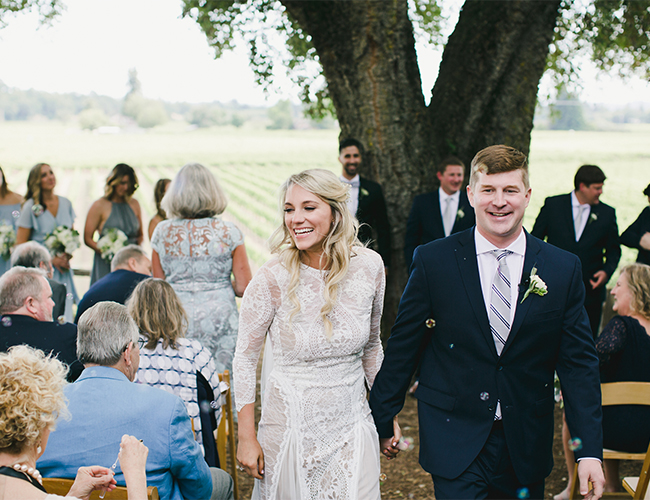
{"x": 638, "y": 280}
{"x": 31, "y": 397}
{"x": 158, "y": 312}
{"x": 337, "y": 246}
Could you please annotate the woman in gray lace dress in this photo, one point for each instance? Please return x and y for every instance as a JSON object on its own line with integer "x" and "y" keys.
{"x": 203, "y": 258}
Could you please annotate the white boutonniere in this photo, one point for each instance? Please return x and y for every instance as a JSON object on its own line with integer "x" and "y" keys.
{"x": 535, "y": 285}
{"x": 363, "y": 192}
{"x": 593, "y": 217}
{"x": 460, "y": 214}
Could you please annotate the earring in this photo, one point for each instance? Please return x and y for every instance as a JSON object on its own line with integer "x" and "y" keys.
{"x": 39, "y": 449}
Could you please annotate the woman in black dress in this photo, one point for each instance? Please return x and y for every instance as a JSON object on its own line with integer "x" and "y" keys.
{"x": 638, "y": 234}
{"x": 624, "y": 351}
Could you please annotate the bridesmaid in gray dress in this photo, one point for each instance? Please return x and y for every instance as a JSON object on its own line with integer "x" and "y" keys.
{"x": 42, "y": 212}
{"x": 116, "y": 209}
{"x": 9, "y": 212}
{"x": 204, "y": 259}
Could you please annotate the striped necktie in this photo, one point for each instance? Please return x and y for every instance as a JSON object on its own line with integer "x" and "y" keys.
{"x": 500, "y": 301}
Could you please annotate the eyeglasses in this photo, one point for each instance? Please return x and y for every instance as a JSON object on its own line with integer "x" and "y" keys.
{"x": 141, "y": 342}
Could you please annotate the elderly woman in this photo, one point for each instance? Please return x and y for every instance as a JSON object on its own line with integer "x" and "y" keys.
{"x": 31, "y": 399}
{"x": 203, "y": 258}
{"x": 173, "y": 363}
{"x": 117, "y": 209}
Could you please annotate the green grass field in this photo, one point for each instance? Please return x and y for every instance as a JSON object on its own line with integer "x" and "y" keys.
{"x": 251, "y": 164}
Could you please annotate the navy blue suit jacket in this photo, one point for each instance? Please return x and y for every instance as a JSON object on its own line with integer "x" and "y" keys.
{"x": 425, "y": 221}
{"x": 462, "y": 377}
{"x": 48, "y": 336}
{"x": 631, "y": 237}
{"x": 372, "y": 215}
{"x": 598, "y": 248}
{"x": 116, "y": 287}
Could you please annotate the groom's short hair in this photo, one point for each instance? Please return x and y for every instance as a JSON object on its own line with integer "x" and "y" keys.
{"x": 499, "y": 159}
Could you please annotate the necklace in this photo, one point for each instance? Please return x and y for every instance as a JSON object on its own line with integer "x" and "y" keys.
{"x": 26, "y": 469}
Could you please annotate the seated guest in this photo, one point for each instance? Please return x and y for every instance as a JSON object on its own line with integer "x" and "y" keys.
{"x": 33, "y": 254}
{"x": 26, "y": 309}
{"x": 31, "y": 399}
{"x": 624, "y": 351}
{"x": 638, "y": 234}
{"x": 129, "y": 266}
{"x": 105, "y": 403}
{"x": 170, "y": 361}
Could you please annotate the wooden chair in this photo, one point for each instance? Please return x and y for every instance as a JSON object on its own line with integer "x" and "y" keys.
{"x": 226, "y": 435}
{"x": 620, "y": 393}
{"x": 638, "y": 486}
{"x": 60, "y": 486}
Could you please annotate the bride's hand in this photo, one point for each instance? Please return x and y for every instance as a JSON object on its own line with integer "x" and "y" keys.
{"x": 250, "y": 457}
{"x": 389, "y": 446}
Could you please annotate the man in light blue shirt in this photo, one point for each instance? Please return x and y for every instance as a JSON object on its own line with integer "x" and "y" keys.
{"x": 105, "y": 404}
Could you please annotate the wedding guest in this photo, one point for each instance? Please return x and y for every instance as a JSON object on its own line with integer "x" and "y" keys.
{"x": 170, "y": 361}
{"x": 43, "y": 212}
{"x": 117, "y": 209}
{"x": 638, "y": 234}
{"x": 320, "y": 301}
{"x": 31, "y": 400}
{"x": 9, "y": 212}
{"x": 158, "y": 193}
{"x": 197, "y": 253}
{"x": 624, "y": 351}
{"x": 32, "y": 254}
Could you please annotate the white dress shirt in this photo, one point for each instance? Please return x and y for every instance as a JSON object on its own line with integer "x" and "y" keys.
{"x": 580, "y": 213}
{"x": 353, "y": 200}
{"x": 453, "y": 208}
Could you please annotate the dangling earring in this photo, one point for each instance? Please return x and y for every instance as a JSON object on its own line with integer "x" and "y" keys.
{"x": 39, "y": 449}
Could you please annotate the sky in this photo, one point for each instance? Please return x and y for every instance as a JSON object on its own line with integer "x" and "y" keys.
{"x": 92, "y": 45}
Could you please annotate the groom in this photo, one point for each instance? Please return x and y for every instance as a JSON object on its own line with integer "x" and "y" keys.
{"x": 489, "y": 348}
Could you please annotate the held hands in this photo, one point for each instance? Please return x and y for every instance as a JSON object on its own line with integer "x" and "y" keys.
{"x": 598, "y": 279}
{"x": 250, "y": 457}
{"x": 92, "y": 478}
{"x": 591, "y": 471}
{"x": 389, "y": 446}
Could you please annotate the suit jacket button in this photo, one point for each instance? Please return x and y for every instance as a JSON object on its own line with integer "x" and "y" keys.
{"x": 500, "y": 368}
{"x": 430, "y": 323}
{"x": 491, "y": 407}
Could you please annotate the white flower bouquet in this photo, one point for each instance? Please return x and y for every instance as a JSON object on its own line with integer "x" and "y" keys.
{"x": 7, "y": 239}
{"x": 111, "y": 243}
{"x": 62, "y": 240}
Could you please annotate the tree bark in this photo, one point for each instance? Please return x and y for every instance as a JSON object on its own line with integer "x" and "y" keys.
{"x": 485, "y": 93}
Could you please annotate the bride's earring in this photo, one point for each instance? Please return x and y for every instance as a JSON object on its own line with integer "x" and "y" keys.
{"x": 39, "y": 449}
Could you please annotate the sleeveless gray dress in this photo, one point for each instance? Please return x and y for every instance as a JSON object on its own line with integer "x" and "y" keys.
{"x": 9, "y": 215}
{"x": 123, "y": 218}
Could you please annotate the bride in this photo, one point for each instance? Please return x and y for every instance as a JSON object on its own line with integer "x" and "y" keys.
{"x": 320, "y": 301}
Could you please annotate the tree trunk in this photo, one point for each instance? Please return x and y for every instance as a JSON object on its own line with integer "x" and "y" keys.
{"x": 485, "y": 93}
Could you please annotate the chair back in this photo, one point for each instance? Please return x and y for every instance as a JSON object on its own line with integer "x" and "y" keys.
{"x": 61, "y": 486}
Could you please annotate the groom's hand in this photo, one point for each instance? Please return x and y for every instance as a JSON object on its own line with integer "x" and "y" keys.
{"x": 590, "y": 470}
{"x": 388, "y": 447}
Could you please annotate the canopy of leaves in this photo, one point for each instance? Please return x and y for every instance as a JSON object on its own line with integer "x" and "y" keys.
{"x": 47, "y": 9}
{"x": 615, "y": 34}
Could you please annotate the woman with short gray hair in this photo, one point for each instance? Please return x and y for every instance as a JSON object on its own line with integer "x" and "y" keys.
{"x": 203, "y": 258}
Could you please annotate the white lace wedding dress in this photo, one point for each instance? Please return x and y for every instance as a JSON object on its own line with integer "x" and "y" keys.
{"x": 316, "y": 431}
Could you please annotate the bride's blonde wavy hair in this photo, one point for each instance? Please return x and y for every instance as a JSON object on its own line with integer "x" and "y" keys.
{"x": 337, "y": 246}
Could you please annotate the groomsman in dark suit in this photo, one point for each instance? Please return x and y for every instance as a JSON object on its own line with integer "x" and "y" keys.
{"x": 581, "y": 224}
{"x": 439, "y": 213}
{"x": 492, "y": 312}
{"x": 366, "y": 199}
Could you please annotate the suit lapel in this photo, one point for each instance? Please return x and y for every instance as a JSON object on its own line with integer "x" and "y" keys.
{"x": 468, "y": 267}
{"x": 589, "y": 226}
{"x": 363, "y": 199}
{"x": 437, "y": 215}
{"x": 531, "y": 259}
{"x": 463, "y": 204}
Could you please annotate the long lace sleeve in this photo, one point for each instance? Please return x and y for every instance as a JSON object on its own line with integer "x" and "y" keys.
{"x": 611, "y": 340}
{"x": 373, "y": 354}
{"x": 255, "y": 316}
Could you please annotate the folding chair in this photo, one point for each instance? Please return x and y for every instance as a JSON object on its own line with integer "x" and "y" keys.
{"x": 619, "y": 393}
{"x": 60, "y": 486}
{"x": 226, "y": 434}
{"x": 638, "y": 486}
